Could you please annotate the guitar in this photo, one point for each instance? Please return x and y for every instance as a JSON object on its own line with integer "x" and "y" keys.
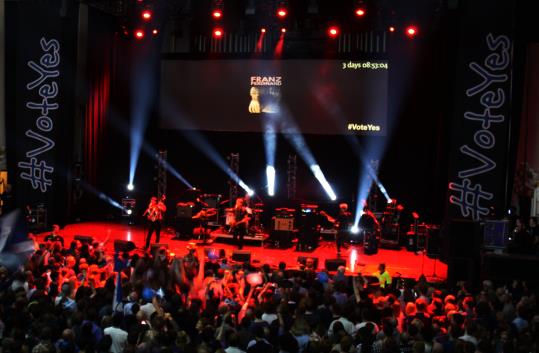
{"x": 234, "y": 224}
{"x": 330, "y": 219}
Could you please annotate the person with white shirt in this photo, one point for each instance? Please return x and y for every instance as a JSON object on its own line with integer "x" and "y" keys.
{"x": 348, "y": 325}
{"x": 118, "y": 336}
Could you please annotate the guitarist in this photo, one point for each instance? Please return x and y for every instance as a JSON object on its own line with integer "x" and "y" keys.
{"x": 240, "y": 223}
{"x": 342, "y": 223}
{"x": 154, "y": 214}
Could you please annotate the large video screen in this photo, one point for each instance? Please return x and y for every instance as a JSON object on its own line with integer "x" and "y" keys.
{"x": 307, "y": 96}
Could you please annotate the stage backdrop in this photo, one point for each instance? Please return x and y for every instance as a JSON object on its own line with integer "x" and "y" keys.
{"x": 42, "y": 38}
{"x": 481, "y": 122}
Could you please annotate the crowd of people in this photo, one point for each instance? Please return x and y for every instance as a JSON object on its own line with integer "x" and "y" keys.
{"x": 525, "y": 238}
{"x": 79, "y": 298}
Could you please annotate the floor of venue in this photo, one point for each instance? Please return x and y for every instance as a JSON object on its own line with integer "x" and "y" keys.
{"x": 399, "y": 262}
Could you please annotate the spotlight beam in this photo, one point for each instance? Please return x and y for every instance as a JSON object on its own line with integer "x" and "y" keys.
{"x": 122, "y": 126}
{"x": 204, "y": 146}
{"x": 142, "y": 97}
{"x": 270, "y": 145}
{"x": 295, "y": 138}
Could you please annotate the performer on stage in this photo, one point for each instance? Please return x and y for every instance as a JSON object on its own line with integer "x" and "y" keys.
{"x": 342, "y": 223}
{"x": 240, "y": 223}
{"x": 368, "y": 220}
{"x": 154, "y": 213}
{"x": 369, "y": 226}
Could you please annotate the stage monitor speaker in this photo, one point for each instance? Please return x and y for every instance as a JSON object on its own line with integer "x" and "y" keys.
{"x": 123, "y": 246}
{"x": 241, "y": 256}
{"x": 333, "y": 264}
{"x": 304, "y": 259}
{"x": 84, "y": 239}
{"x": 213, "y": 254}
{"x": 157, "y": 246}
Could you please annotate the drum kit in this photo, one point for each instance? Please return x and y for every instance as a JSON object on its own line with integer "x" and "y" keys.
{"x": 255, "y": 215}
{"x": 207, "y": 211}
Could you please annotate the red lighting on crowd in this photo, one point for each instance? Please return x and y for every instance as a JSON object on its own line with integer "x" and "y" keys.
{"x": 411, "y": 31}
{"x": 218, "y": 33}
{"x": 217, "y": 14}
{"x": 139, "y": 34}
{"x": 391, "y": 29}
{"x": 360, "y": 11}
{"x": 333, "y": 31}
{"x": 281, "y": 12}
{"x": 283, "y": 30}
{"x": 146, "y": 15}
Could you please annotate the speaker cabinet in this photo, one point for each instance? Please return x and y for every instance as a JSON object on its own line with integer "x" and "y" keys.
{"x": 84, "y": 239}
{"x": 241, "y": 256}
{"x": 124, "y": 246}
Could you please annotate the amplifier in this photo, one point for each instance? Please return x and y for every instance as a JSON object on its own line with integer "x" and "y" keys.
{"x": 286, "y": 224}
{"x": 184, "y": 210}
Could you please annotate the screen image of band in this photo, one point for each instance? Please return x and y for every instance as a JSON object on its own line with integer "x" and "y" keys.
{"x": 318, "y": 96}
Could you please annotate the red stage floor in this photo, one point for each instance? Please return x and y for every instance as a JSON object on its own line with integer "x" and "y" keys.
{"x": 408, "y": 264}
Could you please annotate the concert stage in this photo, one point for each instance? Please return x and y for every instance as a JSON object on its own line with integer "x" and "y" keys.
{"x": 408, "y": 264}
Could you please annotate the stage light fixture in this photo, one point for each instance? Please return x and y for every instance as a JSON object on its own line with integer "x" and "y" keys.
{"x": 129, "y": 212}
{"x": 217, "y": 14}
{"x": 360, "y": 8}
{"x": 155, "y": 32}
{"x": 354, "y": 229}
{"x": 411, "y": 31}
{"x": 139, "y": 34}
{"x": 282, "y": 9}
{"x": 391, "y": 29}
{"x": 130, "y": 187}
{"x": 218, "y": 33}
{"x": 262, "y": 30}
{"x": 147, "y": 15}
{"x": 217, "y": 9}
{"x": 283, "y": 30}
{"x": 333, "y": 31}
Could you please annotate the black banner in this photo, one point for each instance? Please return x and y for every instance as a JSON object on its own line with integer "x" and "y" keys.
{"x": 43, "y": 60}
{"x": 481, "y": 124}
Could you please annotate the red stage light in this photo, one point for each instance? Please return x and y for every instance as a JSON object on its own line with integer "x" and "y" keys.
{"x": 263, "y": 30}
{"x": 391, "y": 29}
{"x": 218, "y": 33}
{"x": 360, "y": 11}
{"x": 155, "y": 32}
{"x": 281, "y": 12}
{"x": 411, "y": 31}
{"x": 283, "y": 30}
{"x": 146, "y": 15}
{"x": 139, "y": 34}
{"x": 333, "y": 31}
{"x": 217, "y": 14}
